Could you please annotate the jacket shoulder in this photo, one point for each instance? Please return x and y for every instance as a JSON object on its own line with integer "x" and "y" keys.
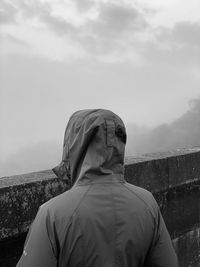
{"x": 65, "y": 204}
{"x": 144, "y": 196}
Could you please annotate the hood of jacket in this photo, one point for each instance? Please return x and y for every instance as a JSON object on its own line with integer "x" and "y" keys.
{"x": 93, "y": 148}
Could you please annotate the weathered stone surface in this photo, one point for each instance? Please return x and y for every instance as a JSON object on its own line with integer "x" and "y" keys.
{"x": 180, "y": 208}
{"x": 160, "y": 171}
{"x": 151, "y": 175}
{"x": 187, "y": 247}
{"x": 173, "y": 177}
{"x": 20, "y": 200}
{"x": 184, "y": 169}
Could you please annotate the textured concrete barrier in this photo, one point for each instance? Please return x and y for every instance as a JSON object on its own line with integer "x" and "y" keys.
{"x": 20, "y": 197}
{"x": 173, "y": 177}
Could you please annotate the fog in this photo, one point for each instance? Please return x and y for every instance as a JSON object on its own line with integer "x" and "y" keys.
{"x": 35, "y": 157}
{"x": 184, "y": 132}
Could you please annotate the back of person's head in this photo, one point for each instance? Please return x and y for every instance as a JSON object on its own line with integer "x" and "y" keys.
{"x": 94, "y": 145}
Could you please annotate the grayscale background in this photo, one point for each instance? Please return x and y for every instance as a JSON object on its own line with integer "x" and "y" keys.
{"x": 140, "y": 59}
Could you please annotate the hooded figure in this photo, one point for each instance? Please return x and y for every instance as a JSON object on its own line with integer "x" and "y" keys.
{"x": 102, "y": 221}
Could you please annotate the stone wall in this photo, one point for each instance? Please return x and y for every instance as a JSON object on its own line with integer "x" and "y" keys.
{"x": 173, "y": 177}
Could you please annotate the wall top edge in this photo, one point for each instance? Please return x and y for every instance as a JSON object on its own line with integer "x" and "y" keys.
{"x": 160, "y": 155}
{"x": 32, "y": 177}
{"x": 39, "y": 176}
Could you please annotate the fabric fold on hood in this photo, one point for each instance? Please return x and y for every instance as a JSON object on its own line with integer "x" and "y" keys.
{"x": 93, "y": 148}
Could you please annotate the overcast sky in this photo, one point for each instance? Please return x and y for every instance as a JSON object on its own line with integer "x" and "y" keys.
{"x": 139, "y": 58}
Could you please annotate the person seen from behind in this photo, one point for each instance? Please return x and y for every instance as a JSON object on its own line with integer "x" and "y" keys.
{"x": 102, "y": 221}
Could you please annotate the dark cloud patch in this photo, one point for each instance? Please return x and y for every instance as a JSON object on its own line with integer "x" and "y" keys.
{"x": 10, "y": 38}
{"x": 43, "y": 12}
{"x": 57, "y": 25}
{"x": 181, "y": 133}
{"x": 31, "y": 9}
{"x": 114, "y": 24}
{"x": 183, "y": 33}
{"x": 11, "y": 11}
{"x": 84, "y": 5}
{"x": 115, "y": 18}
{"x": 8, "y": 12}
{"x": 187, "y": 34}
{"x": 113, "y": 30}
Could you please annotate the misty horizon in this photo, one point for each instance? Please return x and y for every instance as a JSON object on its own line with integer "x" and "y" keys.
{"x": 184, "y": 132}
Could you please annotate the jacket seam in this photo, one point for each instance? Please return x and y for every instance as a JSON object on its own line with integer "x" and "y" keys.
{"x": 55, "y": 251}
{"x": 83, "y": 243}
{"x": 115, "y": 227}
{"x": 75, "y": 210}
{"x": 78, "y": 205}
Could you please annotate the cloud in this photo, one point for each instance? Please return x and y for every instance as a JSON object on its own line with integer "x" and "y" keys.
{"x": 112, "y": 21}
{"x": 32, "y": 9}
{"x": 107, "y": 18}
{"x": 117, "y": 32}
{"x": 58, "y": 25}
{"x": 20, "y": 11}
{"x": 187, "y": 33}
{"x": 105, "y": 31}
{"x": 109, "y": 36}
{"x": 183, "y": 34}
{"x": 177, "y": 47}
{"x": 113, "y": 35}
{"x": 11, "y": 45}
{"x": 8, "y": 12}
{"x": 14, "y": 40}
{"x": 115, "y": 19}
{"x": 84, "y": 5}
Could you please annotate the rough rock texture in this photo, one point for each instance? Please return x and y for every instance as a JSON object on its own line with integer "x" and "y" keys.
{"x": 173, "y": 177}
{"x": 187, "y": 247}
{"x": 160, "y": 171}
{"x": 20, "y": 198}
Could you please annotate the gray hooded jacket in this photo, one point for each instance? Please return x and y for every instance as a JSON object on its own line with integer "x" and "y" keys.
{"x": 102, "y": 221}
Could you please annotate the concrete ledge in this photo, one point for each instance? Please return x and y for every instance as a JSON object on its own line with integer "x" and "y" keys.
{"x": 20, "y": 197}
{"x": 158, "y": 172}
{"x": 173, "y": 177}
